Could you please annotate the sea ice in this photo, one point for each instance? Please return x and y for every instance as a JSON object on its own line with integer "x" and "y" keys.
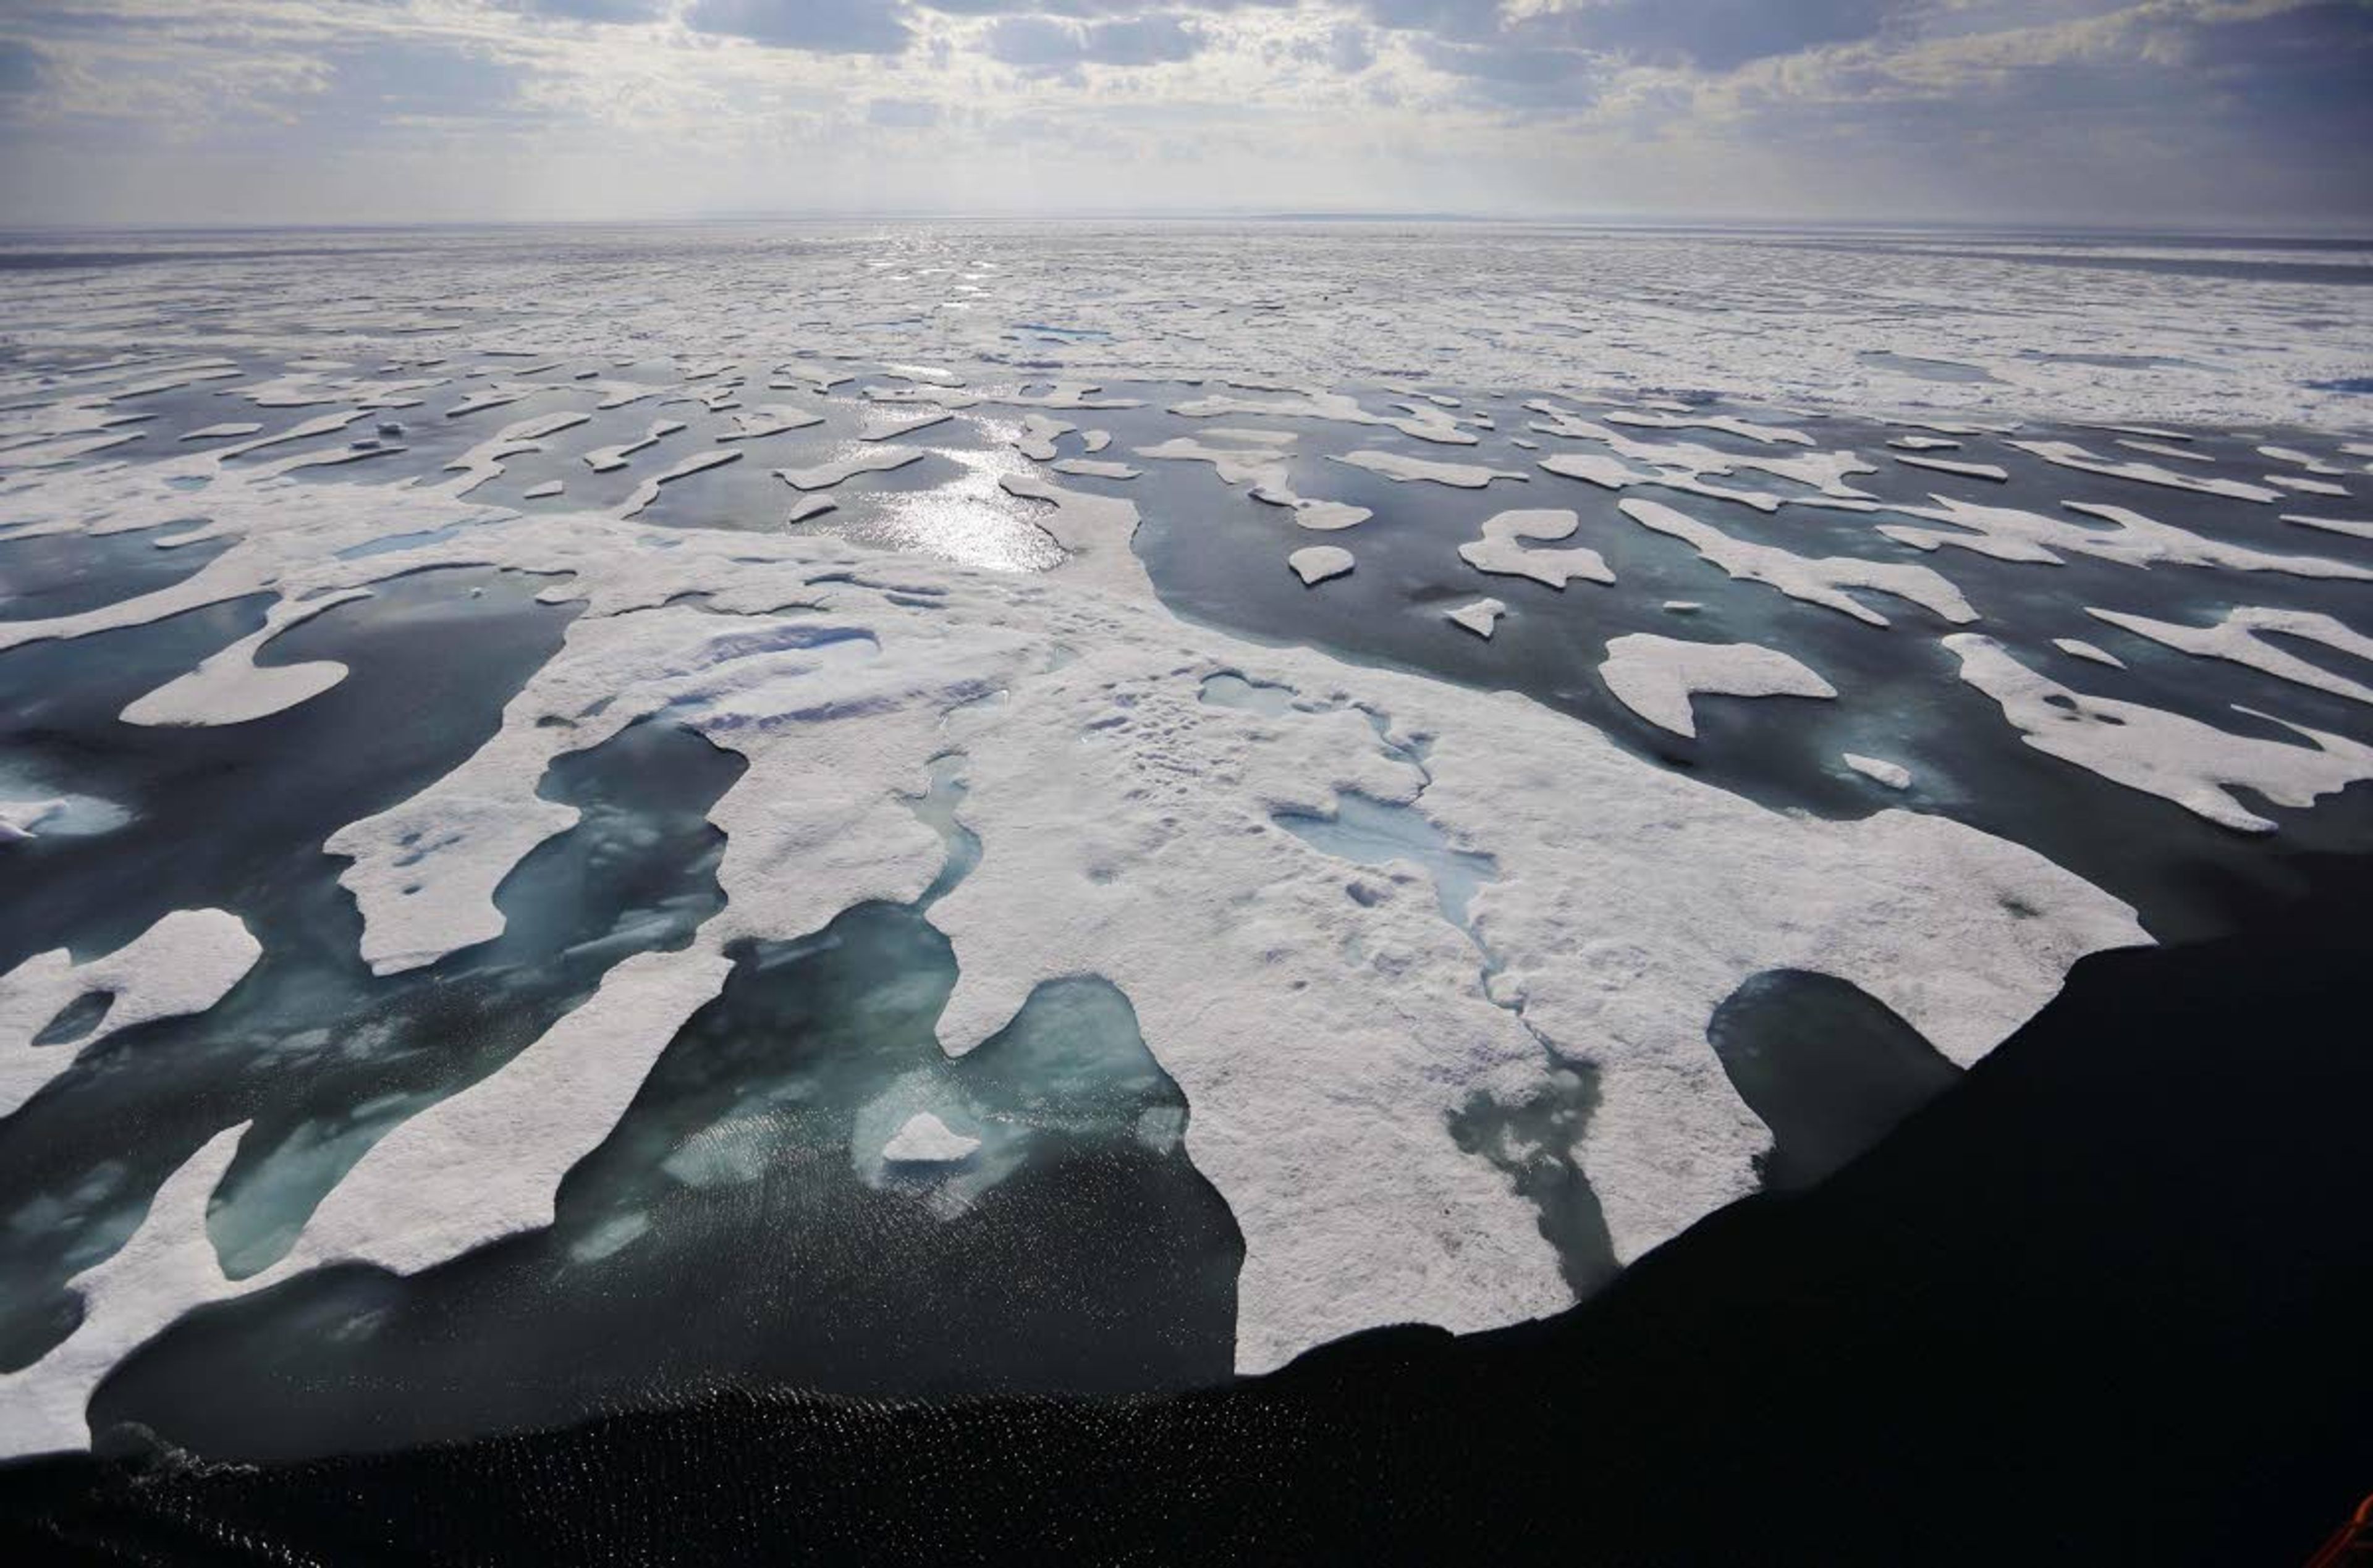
{"x": 924, "y": 1139}
{"x": 2239, "y": 637}
{"x": 2179, "y": 758}
{"x": 1656, "y": 676}
{"x": 1502, "y": 551}
{"x": 1894, "y": 775}
{"x": 1406, "y": 469}
{"x": 186, "y": 963}
{"x": 850, "y": 463}
{"x": 2068, "y": 455}
{"x": 1821, "y": 581}
{"x": 1483, "y": 617}
{"x": 1319, "y": 562}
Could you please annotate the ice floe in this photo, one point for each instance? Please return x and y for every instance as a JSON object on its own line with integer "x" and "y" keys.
{"x": 2008, "y": 533}
{"x": 230, "y": 687}
{"x": 1655, "y": 677}
{"x": 2193, "y": 764}
{"x": 2240, "y": 638}
{"x": 1822, "y": 581}
{"x": 924, "y": 1139}
{"x": 1317, "y": 562}
{"x": 1407, "y": 470}
{"x": 186, "y": 963}
{"x": 1482, "y": 617}
{"x": 2077, "y": 648}
{"x": 601, "y": 460}
{"x": 848, "y": 465}
{"x": 1967, "y": 470}
{"x": 1502, "y": 548}
{"x": 2068, "y": 455}
{"x": 1893, "y": 775}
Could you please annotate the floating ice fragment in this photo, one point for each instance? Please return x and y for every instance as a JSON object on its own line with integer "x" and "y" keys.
{"x": 1655, "y": 677}
{"x": 924, "y": 1139}
{"x": 856, "y": 460}
{"x": 601, "y": 460}
{"x": 2068, "y": 455}
{"x": 223, "y": 432}
{"x": 1894, "y": 775}
{"x": 648, "y": 491}
{"x": 1483, "y": 617}
{"x": 1405, "y": 469}
{"x": 549, "y": 488}
{"x": 1319, "y": 562}
{"x": 2166, "y": 754}
{"x": 1822, "y": 581}
{"x": 186, "y": 963}
{"x": 768, "y": 419}
{"x": 230, "y": 687}
{"x": 2077, "y": 648}
{"x": 1967, "y": 470}
{"x": 2239, "y": 638}
{"x": 1501, "y": 549}
{"x": 2353, "y": 528}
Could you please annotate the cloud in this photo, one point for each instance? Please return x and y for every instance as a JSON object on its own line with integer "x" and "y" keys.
{"x": 21, "y": 68}
{"x": 1050, "y": 44}
{"x": 901, "y": 113}
{"x": 822, "y": 26}
{"x": 593, "y": 10}
{"x": 1720, "y": 35}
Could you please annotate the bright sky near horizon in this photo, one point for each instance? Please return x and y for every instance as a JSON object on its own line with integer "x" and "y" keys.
{"x": 2182, "y": 113}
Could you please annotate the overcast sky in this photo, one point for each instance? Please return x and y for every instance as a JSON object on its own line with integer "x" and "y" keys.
{"x": 2173, "y": 112}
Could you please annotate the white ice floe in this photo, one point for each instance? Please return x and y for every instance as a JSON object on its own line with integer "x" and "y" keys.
{"x": 186, "y": 963}
{"x": 1039, "y": 434}
{"x": 2008, "y": 533}
{"x": 1967, "y": 470}
{"x": 231, "y": 688}
{"x": 2068, "y": 455}
{"x": 1483, "y": 617}
{"x": 1656, "y": 676}
{"x": 601, "y": 460}
{"x": 808, "y": 506}
{"x": 684, "y": 467}
{"x": 1769, "y": 434}
{"x": 223, "y": 432}
{"x": 1319, "y": 562}
{"x": 2353, "y": 527}
{"x": 2166, "y": 754}
{"x": 894, "y": 426}
{"x": 1407, "y": 470}
{"x": 544, "y": 492}
{"x": 848, "y": 464}
{"x": 767, "y": 419}
{"x": 2306, "y": 460}
{"x": 476, "y": 1166}
{"x": 1502, "y": 548}
{"x": 2077, "y": 648}
{"x": 2239, "y": 637}
{"x": 1815, "y": 581}
{"x": 2161, "y": 449}
{"x": 1419, "y": 421}
{"x": 1261, "y": 459}
{"x": 924, "y": 1139}
{"x": 1090, "y": 468}
{"x": 1924, "y": 443}
{"x": 2306, "y": 486}
{"x": 1894, "y": 775}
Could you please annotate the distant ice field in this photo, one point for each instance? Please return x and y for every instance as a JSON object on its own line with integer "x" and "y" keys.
{"x": 920, "y": 810}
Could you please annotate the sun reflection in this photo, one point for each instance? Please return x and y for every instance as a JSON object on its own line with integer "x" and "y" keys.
{"x": 969, "y": 520}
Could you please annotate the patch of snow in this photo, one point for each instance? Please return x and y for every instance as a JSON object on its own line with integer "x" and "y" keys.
{"x": 1501, "y": 549}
